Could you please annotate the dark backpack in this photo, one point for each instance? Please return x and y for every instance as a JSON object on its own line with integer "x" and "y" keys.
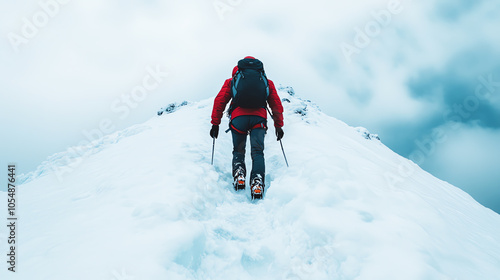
{"x": 249, "y": 87}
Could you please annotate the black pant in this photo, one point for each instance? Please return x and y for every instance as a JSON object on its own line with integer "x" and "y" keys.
{"x": 246, "y": 123}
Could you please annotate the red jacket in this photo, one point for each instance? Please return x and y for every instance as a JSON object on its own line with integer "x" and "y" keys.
{"x": 225, "y": 96}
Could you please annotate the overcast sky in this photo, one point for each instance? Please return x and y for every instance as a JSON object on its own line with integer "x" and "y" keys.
{"x": 421, "y": 75}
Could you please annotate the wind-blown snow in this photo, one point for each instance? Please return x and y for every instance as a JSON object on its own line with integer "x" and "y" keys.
{"x": 145, "y": 203}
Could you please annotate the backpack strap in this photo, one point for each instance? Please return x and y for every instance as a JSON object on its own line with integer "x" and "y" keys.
{"x": 264, "y": 77}
{"x": 235, "y": 82}
{"x": 234, "y": 91}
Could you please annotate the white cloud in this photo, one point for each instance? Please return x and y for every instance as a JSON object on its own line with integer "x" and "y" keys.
{"x": 469, "y": 159}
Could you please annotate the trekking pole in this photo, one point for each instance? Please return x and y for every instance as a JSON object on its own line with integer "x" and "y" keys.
{"x": 283, "y": 150}
{"x": 213, "y": 148}
{"x": 281, "y": 143}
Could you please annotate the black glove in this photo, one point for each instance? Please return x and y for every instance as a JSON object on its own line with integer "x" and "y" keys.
{"x": 214, "y": 132}
{"x": 279, "y": 133}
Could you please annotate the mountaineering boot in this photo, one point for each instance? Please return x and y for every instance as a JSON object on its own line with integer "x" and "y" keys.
{"x": 239, "y": 179}
{"x": 257, "y": 187}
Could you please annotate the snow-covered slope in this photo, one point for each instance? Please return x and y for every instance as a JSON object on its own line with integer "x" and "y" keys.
{"x": 145, "y": 203}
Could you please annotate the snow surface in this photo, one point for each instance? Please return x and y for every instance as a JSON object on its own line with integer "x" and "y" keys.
{"x": 145, "y": 203}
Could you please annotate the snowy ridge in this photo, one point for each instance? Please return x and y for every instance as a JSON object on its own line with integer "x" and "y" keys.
{"x": 145, "y": 203}
{"x": 60, "y": 163}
